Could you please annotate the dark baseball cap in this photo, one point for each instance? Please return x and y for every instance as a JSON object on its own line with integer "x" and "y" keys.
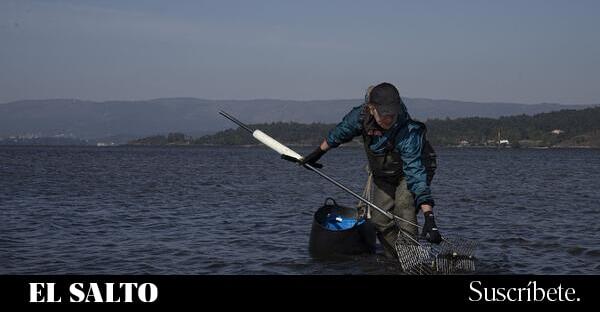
{"x": 386, "y": 99}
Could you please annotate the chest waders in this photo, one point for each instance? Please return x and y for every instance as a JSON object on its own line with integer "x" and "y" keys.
{"x": 388, "y": 165}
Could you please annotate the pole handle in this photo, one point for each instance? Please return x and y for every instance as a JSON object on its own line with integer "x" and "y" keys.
{"x": 295, "y": 160}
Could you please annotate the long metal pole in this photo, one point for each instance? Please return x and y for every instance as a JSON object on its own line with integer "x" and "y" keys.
{"x": 317, "y": 171}
{"x": 239, "y": 123}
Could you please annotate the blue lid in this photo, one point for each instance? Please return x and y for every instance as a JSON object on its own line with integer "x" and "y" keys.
{"x": 335, "y": 222}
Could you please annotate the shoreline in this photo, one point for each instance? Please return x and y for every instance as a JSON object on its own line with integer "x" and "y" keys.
{"x": 289, "y": 145}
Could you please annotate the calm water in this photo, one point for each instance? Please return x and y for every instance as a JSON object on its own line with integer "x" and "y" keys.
{"x": 136, "y": 210}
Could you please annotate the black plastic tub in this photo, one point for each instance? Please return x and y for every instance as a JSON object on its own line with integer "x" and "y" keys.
{"x": 339, "y": 230}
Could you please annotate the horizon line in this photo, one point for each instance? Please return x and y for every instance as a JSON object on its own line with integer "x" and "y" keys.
{"x": 288, "y": 100}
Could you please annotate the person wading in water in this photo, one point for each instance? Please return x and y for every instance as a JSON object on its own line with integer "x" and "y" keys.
{"x": 401, "y": 161}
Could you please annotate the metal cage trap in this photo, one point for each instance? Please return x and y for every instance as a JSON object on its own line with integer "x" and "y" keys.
{"x": 453, "y": 255}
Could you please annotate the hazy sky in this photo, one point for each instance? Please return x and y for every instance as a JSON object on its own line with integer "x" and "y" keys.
{"x": 515, "y": 51}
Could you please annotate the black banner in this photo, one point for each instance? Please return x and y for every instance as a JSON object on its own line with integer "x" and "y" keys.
{"x": 298, "y": 291}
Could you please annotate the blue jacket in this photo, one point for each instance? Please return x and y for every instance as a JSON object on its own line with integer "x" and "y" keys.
{"x": 409, "y": 144}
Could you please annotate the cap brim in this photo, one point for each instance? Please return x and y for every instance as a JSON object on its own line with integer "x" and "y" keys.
{"x": 388, "y": 110}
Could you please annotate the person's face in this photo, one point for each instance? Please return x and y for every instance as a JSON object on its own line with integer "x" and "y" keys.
{"x": 384, "y": 121}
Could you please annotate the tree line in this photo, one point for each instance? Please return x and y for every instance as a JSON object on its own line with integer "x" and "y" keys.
{"x": 560, "y": 128}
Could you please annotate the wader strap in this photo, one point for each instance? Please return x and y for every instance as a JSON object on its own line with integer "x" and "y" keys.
{"x": 367, "y": 193}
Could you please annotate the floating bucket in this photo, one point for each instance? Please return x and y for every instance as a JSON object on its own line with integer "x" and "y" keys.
{"x": 339, "y": 230}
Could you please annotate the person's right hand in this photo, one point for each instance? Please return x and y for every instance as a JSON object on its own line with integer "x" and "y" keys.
{"x": 313, "y": 157}
{"x": 430, "y": 230}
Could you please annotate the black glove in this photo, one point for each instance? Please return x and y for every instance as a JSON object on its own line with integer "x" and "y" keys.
{"x": 313, "y": 157}
{"x": 430, "y": 230}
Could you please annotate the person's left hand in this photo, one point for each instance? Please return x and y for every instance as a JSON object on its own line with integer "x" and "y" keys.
{"x": 430, "y": 230}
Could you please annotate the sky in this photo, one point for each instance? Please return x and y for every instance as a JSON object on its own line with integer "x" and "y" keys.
{"x": 522, "y": 51}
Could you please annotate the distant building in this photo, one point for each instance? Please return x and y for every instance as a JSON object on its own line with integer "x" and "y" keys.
{"x": 556, "y": 131}
{"x": 105, "y": 144}
{"x": 463, "y": 143}
{"x": 502, "y": 142}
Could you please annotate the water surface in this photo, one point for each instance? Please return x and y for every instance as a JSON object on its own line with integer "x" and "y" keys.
{"x": 236, "y": 210}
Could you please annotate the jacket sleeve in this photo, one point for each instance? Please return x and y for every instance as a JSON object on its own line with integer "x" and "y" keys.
{"x": 414, "y": 170}
{"x": 349, "y": 128}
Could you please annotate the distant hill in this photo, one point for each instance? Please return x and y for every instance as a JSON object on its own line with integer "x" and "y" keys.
{"x": 121, "y": 121}
{"x": 565, "y": 128}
